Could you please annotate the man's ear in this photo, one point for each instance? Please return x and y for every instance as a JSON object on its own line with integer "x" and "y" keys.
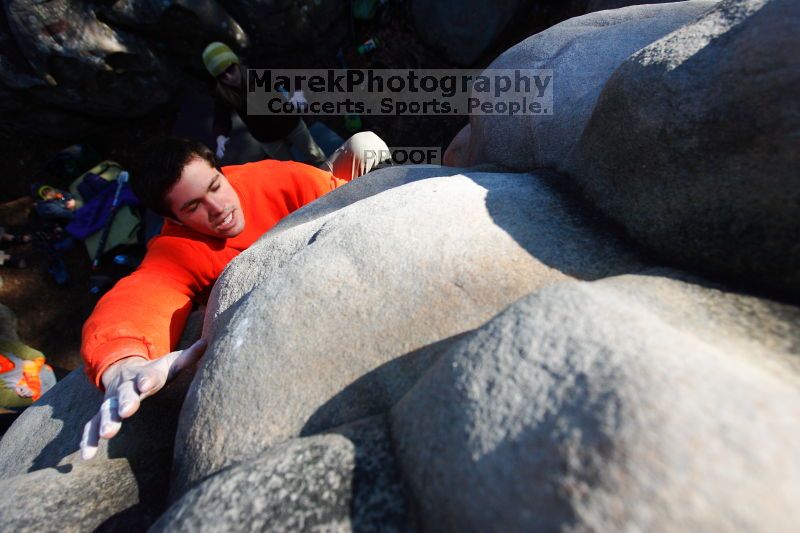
{"x": 171, "y": 216}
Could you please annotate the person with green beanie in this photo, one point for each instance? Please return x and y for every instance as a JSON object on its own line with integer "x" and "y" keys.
{"x": 276, "y": 133}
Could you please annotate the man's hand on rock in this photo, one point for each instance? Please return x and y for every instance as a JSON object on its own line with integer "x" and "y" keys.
{"x": 127, "y": 383}
{"x": 221, "y": 142}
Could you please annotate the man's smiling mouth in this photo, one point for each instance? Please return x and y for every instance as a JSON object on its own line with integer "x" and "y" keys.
{"x": 226, "y": 222}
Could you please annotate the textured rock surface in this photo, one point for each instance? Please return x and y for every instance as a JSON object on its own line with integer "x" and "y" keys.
{"x": 81, "y": 497}
{"x": 299, "y": 485}
{"x": 48, "y": 433}
{"x": 582, "y": 52}
{"x": 338, "y": 482}
{"x": 633, "y": 403}
{"x": 379, "y": 500}
{"x": 703, "y": 170}
{"x": 82, "y": 64}
{"x": 63, "y": 72}
{"x": 600, "y": 5}
{"x": 462, "y": 30}
{"x": 380, "y": 287}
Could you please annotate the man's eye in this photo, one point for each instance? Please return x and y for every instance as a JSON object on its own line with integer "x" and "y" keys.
{"x": 215, "y": 188}
{"x": 192, "y": 208}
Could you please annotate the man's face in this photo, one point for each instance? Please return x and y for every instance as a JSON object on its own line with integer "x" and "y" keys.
{"x": 204, "y": 201}
{"x": 231, "y": 76}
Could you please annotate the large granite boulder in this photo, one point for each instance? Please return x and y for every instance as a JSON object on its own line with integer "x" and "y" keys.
{"x": 178, "y": 27}
{"x": 466, "y": 349}
{"x": 84, "y": 64}
{"x": 460, "y": 30}
{"x": 41, "y": 451}
{"x": 21, "y": 112}
{"x": 334, "y": 313}
{"x": 582, "y": 52}
{"x": 693, "y": 145}
{"x": 346, "y": 481}
{"x": 638, "y": 403}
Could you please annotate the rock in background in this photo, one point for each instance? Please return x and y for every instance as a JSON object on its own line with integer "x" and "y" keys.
{"x": 68, "y": 60}
{"x": 70, "y": 67}
{"x": 291, "y": 33}
{"x": 583, "y": 52}
{"x": 462, "y": 30}
{"x": 177, "y": 27}
{"x": 693, "y": 145}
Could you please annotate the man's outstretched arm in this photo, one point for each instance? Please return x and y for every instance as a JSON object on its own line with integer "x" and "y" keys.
{"x": 127, "y": 341}
{"x": 144, "y": 313}
{"x": 142, "y": 316}
{"x": 127, "y": 382}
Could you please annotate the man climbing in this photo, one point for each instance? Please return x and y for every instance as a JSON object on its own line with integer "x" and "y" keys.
{"x": 211, "y": 215}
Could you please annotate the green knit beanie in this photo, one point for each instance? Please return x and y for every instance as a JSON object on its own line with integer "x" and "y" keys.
{"x": 217, "y": 57}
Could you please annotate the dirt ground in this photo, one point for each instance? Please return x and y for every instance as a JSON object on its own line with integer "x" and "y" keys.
{"x": 51, "y": 316}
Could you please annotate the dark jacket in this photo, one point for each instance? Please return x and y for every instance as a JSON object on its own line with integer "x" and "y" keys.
{"x": 264, "y": 128}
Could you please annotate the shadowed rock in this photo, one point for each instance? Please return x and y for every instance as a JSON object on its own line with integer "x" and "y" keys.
{"x": 462, "y": 31}
{"x": 96, "y": 496}
{"x": 582, "y": 53}
{"x": 693, "y": 145}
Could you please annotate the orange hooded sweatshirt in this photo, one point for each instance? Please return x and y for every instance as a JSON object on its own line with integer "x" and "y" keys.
{"x": 144, "y": 313}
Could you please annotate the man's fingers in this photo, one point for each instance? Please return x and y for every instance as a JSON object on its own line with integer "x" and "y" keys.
{"x": 191, "y": 355}
{"x": 187, "y": 357}
{"x": 90, "y": 438}
{"x": 150, "y": 380}
{"x": 125, "y": 401}
{"x": 128, "y": 399}
{"x": 110, "y": 421}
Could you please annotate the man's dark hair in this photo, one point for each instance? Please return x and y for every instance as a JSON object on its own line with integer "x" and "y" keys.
{"x": 158, "y": 166}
